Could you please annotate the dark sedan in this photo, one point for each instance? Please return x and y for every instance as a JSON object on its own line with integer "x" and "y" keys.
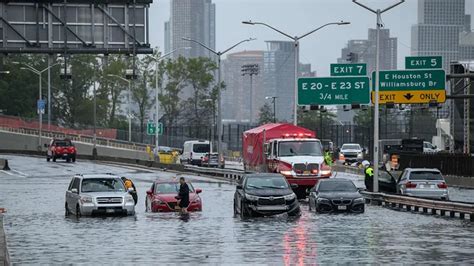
{"x": 336, "y": 194}
{"x": 264, "y": 194}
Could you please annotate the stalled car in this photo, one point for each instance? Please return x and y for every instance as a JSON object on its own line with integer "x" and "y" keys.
{"x": 336, "y": 195}
{"x": 212, "y": 160}
{"x": 98, "y": 194}
{"x": 161, "y": 197}
{"x": 265, "y": 194}
{"x": 61, "y": 149}
{"x": 423, "y": 183}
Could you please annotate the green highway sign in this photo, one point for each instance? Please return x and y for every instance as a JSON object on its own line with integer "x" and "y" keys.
{"x": 407, "y": 80}
{"x": 348, "y": 70}
{"x": 151, "y": 128}
{"x": 333, "y": 91}
{"x": 423, "y": 62}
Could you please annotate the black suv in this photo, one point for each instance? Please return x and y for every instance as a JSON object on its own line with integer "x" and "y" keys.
{"x": 265, "y": 194}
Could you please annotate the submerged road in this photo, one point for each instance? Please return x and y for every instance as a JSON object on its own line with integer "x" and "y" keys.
{"x": 39, "y": 233}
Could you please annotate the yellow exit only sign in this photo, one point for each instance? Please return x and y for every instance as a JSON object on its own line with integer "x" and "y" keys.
{"x": 408, "y": 97}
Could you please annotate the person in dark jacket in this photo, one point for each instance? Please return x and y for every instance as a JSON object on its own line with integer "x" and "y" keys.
{"x": 183, "y": 195}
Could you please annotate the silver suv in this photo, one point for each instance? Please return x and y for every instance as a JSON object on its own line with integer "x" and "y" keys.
{"x": 98, "y": 194}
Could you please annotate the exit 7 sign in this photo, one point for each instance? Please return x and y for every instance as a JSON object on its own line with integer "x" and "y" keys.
{"x": 348, "y": 70}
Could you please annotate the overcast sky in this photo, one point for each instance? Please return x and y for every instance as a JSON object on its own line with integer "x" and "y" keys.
{"x": 296, "y": 17}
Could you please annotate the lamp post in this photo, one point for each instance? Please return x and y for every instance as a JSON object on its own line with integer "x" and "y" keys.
{"x": 129, "y": 115}
{"x": 378, "y": 12}
{"x": 274, "y": 106}
{"x": 157, "y": 108}
{"x": 40, "y": 113}
{"x": 213, "y": 122}
{"x": 219, "y": 110}
{"x": 296, "y": 40}
{"x": 251, "y": 70}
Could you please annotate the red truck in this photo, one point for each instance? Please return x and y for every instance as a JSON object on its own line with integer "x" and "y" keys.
{"x": 292, "y": 151}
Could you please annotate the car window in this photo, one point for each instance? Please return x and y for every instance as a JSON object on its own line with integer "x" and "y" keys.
{"x": 201, "y": 148}
{"x": 170, "y": 188}
{"x": 351, "y": 147}
{"x": 346, "y": 186}
{"x": 404, "y": 176}
{"x": 102, "y": 185}
{"x": 272, "y": 182}
{"x": 385, "y": 177}
{"x": 70, "y": 184}
{"x": 294, "y": 148}
{"x": 425, "y": 175}
{"x": 75, "y": 183}
{"x": 62, "y": 143}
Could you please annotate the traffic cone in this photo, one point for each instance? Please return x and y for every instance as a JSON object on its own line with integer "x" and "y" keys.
{"x": 5, "y": 166}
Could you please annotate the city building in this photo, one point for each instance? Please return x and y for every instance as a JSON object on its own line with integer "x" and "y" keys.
{"x": 279, "y": 77}
{"x": 364, "y": 51}
{"x": 194, "y": 19}
{"x": 239, "y": 98}
{"x": 443, "y": 29}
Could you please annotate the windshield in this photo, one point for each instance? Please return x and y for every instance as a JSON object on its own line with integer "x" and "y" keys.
{"x": 102, "y": 185}
{"x": 350, "y": 147}
{"x": 295, "y": 148}
{"x": 425, "y": 175}
{"x": 170, "y": 188}
{"x": 273, "y": 182}
{"x": 201, "y": 148}
{"x": 340, "y": 186}
{"x": 63, "y": 143}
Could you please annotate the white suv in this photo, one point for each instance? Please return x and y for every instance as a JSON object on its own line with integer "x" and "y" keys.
{"x": 98, "y": 194}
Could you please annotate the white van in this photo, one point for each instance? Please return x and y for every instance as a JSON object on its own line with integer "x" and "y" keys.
{"x": 194, "y": 151}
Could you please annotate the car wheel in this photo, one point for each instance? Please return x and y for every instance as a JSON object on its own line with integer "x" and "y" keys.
{"x": 244, "y": 212}
{"x": 235, "y": 209}
{"x": 78, "y": 211}
{"x": 146, "y": 206}
{"x": 294, "y": 213}
{"x": 68, "y": 160}
{"x": 66, "y": 211}
{"x": 74, "y": 159}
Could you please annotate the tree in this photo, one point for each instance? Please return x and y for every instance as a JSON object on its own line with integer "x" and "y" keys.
{"x": 112, "y": 88}
{"x": 317, "y": 120}
{"x": 169, "y": 96}
{"x": 265, "y": 114}
{"x": 363, "y": 118}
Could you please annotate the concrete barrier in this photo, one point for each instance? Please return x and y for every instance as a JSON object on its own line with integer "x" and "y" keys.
{"x": 4, "y": 165}
{"x": 4, "y": 256}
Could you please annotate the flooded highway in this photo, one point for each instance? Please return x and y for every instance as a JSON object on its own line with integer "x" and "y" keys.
{"x": 39, "y": 233}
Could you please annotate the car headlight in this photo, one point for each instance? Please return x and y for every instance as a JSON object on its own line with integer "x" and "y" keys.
{"x": 360, "y": 155}
{"x": 251, "y": 197}
{"x": 291, "y": 196}
{"x": 86, "y": 199}
{"x": 359, "y": 200}
{"x": 197, "y": 200}
{"x": 158, "y": 201}
{"x": 129, "y": 199}
{"x": 323, "y": 200}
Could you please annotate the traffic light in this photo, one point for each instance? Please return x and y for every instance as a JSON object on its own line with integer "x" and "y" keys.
{"x": 130, "y": 74}
{"x": 352, "y": 57}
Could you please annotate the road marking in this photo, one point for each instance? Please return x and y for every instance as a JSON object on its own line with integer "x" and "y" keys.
{"x": 20, "y": 173}
{"x": 6, "y": 172}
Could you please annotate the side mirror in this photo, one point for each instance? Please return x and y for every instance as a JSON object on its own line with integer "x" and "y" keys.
{"x": 239, "y": 186}
{"x": 74, "y": 190}
{"x": 198, "y": 190}
{"x": 149, "y": 192}
{"x": 294, "y": 186}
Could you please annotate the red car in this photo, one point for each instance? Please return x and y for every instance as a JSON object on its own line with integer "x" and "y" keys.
{"x": 61, "y": 149}
{"x": 162, "y": 197}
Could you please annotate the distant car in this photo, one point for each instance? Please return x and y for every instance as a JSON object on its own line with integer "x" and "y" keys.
{"x": 194, "y": 151}
{"x": 352, "y": 153}
{"x": 265, "y": 194}
{"x": 336, "y": 195}
{"x": 423, "y": 183}
{"x": 430, "y": 148}
{"x": 212, "y": 160}
{"x": 61, "y": 149}
{"x": 98, "y": 194}
{"x": 162, "y": 197}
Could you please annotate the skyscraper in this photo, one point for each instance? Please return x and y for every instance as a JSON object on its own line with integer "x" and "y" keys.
{"x": 443, "y": 29}
{"x": 279, "y": 76}
{"x": 194, "y": 19}
{"x": 237, "y": 97}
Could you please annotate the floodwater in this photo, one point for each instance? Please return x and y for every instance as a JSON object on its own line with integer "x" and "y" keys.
{"x": 39, "y": 233}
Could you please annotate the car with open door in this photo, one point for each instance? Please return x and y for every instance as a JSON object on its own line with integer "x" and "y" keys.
{"x": 161, "y": 197}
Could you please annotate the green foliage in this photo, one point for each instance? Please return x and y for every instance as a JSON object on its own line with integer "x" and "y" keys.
{"x": 265, "y": 114}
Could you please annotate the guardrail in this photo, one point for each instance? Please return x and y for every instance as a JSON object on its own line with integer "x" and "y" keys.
{"x": 231, "y": 174}
{"x": 419, "y": 205}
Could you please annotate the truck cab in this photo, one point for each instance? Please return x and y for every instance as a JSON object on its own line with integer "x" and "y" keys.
{"x": 299, "y": 159}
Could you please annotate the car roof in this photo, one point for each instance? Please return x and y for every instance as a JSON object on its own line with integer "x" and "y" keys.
{"x": 262, "y": 175}
{"x": 350, "y": 144}
{"x": 101, "y": 176}
{"x": 422, "y": 170}
{"x": 335, "y": 180}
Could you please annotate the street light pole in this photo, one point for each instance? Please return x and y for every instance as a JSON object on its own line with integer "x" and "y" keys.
{"x": 296, "y": 40}
{"x": 274, "y": 106}
{"x": 40, "y": 96}
{"x": 219, "y": 110}
{"x": 378, "y": 13}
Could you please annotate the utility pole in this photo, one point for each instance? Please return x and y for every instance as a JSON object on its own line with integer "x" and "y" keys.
{"x": 378, "y": 13}
{"x": 274, "y": 106}
{"x": 251, "y": 70}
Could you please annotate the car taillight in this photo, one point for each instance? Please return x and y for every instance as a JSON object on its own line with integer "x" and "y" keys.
{"x": 410, "y": 185}
{"x": 443, "y": 185}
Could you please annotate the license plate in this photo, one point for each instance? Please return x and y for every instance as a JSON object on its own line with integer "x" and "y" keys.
{"x": 432, "y": 186}
{"x": 342, "y": 208}
{"x": 272, "y": 208}
{"x": 65, "y": 155}
{"x": 109, "y": 210}
{"x": 306, "y": 172}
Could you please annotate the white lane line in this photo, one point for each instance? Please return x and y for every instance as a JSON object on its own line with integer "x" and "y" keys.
{"x": 20, "y": 173}
{"x": 6, "y": 172}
